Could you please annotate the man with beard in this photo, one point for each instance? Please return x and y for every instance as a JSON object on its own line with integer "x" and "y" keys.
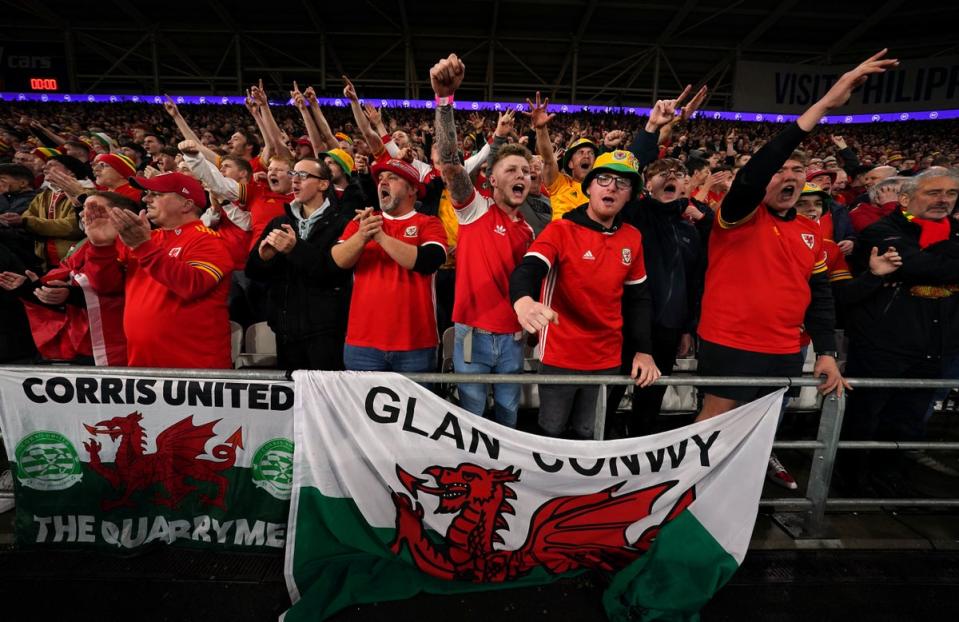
{"x": 492, "y": 239}
{"x": 597, "y": 283}
{"x": 675, "y": 262}
{"x": 767, "y": 278}
{"x": 308, "y": 295}
{"x": 394, "y": 253}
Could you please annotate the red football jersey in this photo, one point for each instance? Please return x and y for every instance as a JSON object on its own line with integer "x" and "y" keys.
{"x": 838, "y": 270}
{"x": 757, "y": 283}
{"x": 392, "y": 308}
{"x": 264, "y": 205}
{"x": 175, "y": 287}
{"x": 588, "y": 270}
{"x": 490, "y": 245}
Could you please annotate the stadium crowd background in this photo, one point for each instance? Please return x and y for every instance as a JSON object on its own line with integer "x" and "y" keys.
{"x": 68, "y": 168}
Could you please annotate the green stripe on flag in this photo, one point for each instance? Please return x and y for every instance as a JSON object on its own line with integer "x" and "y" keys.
{"x": 348, "y": 562}
{"x": 683, "y": 569}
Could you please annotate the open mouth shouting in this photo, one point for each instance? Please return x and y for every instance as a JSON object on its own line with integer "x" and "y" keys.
{"x": 787, "y": 192}
{"x": 670, "y": 189}
{"x": 518, "y": 192}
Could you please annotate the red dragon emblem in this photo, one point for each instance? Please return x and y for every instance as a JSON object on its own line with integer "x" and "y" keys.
{"x": 565, "y": 533}
{"x": 177, "y": 457}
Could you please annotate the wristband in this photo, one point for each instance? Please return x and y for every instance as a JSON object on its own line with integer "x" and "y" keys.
{"x": 444, "y": 101}
{"x": 831, "y": 353}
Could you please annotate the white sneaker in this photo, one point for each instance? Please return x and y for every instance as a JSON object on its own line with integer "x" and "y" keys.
{"x": 778, "y": 474}
{"x": 6, "y": 487}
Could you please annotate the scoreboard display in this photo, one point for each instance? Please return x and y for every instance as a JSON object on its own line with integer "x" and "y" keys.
{"x": 32, "y": 68}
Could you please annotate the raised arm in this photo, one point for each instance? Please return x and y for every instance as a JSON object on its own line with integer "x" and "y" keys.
{"x": 840, "y": 92}
{"x": 207, "y": 173}
{"x": 327, "y": 139}
{"x": 504, "y": 125}
{"x": 50, "y": 135}
{"x": 299, "y": 101}
{"x": 446, "y": 76}
{"x": 372, "y": 138}
{"x": 539, "y": 119}
{"x": 268, "y": 125}
{"x": 188, "y": 134}
{"x": 749, "y": 186}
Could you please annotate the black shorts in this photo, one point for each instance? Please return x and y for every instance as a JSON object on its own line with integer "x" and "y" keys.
{"x": 717, "y": 360}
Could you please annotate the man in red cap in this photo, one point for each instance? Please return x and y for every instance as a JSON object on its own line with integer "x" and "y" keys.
{"x": 175, "y": 278}
{"x": 395, "y": 253}
{"x": 303, "y": 148}
{"x": 112, "y": 171}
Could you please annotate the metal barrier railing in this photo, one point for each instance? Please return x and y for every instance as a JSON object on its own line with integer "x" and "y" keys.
{"x": 827, "y": 443}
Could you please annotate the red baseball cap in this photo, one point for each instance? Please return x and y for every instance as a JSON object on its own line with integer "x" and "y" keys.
{"x": 816, "y": 173}
{"x": 404, "y": 170}
{"x": 184, "y": 185}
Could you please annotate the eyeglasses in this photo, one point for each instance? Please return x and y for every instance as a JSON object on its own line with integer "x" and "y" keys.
{"x": 675, "y": 172}
{"x": 303, "y": 175}
{"x": 622, "y": 183}
{"x": 99, "y": 166}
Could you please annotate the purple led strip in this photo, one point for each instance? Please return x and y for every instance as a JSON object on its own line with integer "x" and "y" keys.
{"x": 772, "y": 117}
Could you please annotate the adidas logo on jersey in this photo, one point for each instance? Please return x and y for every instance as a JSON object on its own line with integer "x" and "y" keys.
{"x": 589, "y": 255}
{"x": 500, "y": 229}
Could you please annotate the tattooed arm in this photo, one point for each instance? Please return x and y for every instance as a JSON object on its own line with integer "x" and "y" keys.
{"x": 454, "y": 175}
{"x": 446, "y": 76}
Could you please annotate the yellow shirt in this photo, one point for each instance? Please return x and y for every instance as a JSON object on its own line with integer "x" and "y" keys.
{"x": 447, "y": 215}
{"x": 565, "y": 194}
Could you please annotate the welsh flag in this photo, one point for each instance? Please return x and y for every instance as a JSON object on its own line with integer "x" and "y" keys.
{"x": 397, "y": 492}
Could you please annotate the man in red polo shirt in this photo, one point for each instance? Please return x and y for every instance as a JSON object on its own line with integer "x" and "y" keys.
{"x": 767, "y": 277}
{"x": 394, "y": 253}
{"x": 175, "y": 278}
{"x": 492, "y": 239}
{"x": 596, "y": 282}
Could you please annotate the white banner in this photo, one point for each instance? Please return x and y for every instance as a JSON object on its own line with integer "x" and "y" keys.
{"x": 388, "y": 477}
{"x": 121, "y": 462}
{"x": 922, "y": 84}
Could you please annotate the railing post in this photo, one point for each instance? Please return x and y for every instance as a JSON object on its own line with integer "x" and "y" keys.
{"x": 599, "y": 423}
{"x": 823, "y": 461}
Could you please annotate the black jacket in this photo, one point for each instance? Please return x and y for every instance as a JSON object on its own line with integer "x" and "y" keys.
{"x": 354, "y": 197}
{"x": 308, "y": 293}
{"x": 913, "y": 312}
{"x": 675, "y": 260}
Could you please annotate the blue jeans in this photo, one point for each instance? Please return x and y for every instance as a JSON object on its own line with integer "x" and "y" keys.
{"x": 359, "y": 358}
{"x": 491, "y": 353}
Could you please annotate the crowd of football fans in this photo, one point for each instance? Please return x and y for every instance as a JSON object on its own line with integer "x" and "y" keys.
{"x": 132, "y": 234}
